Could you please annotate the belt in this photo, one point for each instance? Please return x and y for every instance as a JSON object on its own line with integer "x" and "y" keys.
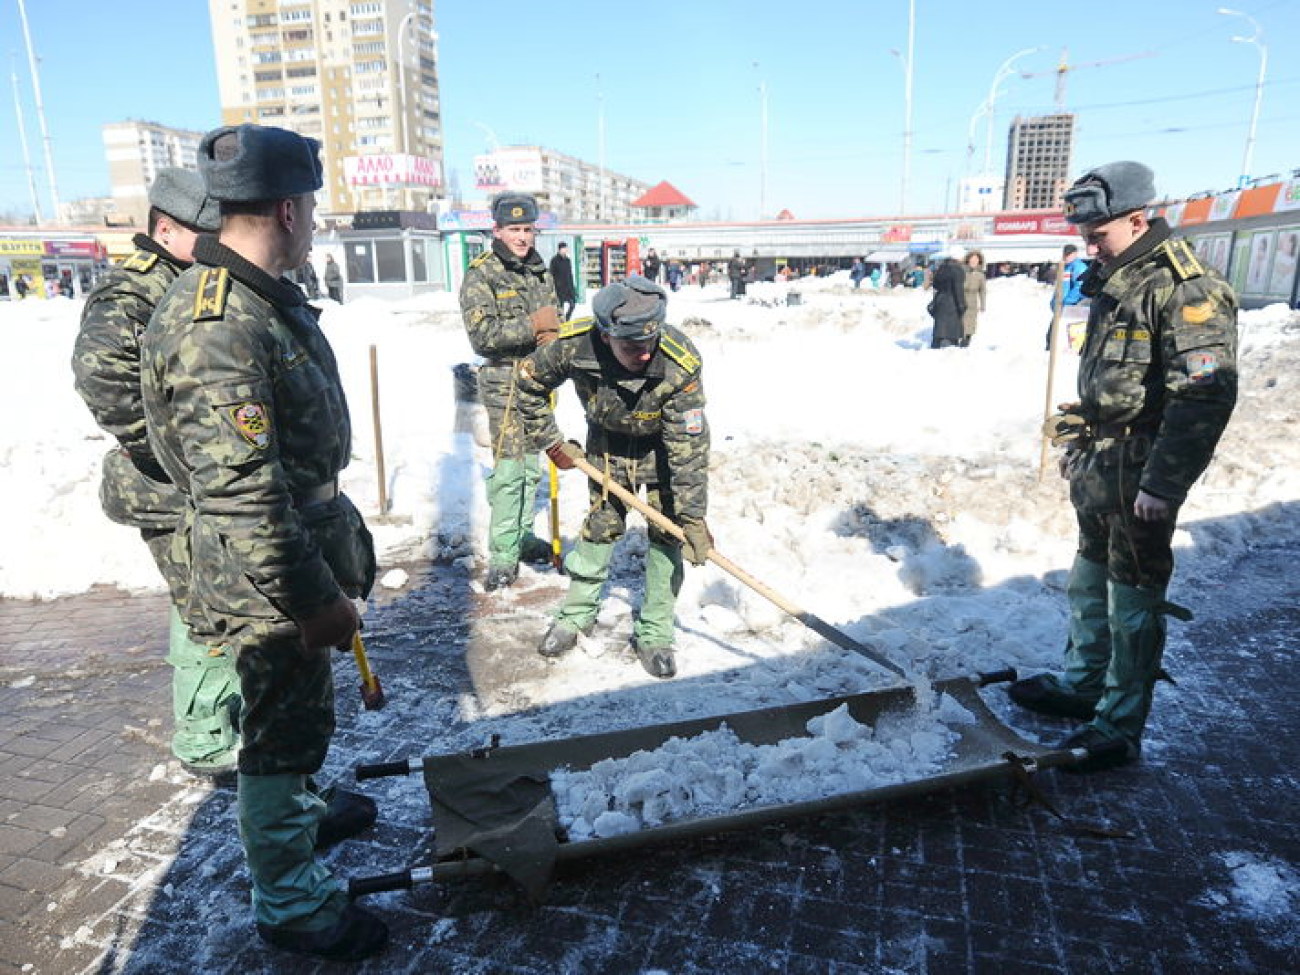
{"x": 1117, "y": 431}
{"x": 320, "y": 494}
{"x": 501, "y": 363}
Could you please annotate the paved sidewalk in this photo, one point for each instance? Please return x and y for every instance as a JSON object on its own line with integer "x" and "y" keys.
{"x": 111, "y": 859}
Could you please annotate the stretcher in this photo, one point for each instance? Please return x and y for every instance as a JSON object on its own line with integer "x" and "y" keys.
{"x": 493, "y": 809}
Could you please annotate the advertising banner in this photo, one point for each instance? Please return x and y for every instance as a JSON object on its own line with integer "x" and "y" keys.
{"x": 1052, "y": 223}
{"x": 516, "y": 169}
{"x": 392, "y": 169}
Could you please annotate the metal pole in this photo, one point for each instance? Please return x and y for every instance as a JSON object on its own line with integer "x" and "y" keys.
{"x": 907, "y": 107}
{"x": 379, "y": 431}
{"x": 401, "y": 96}
{"x": 600, "y": 147}
{"x": 1248, "y": 157}
{"x": 762, "y": 155}
{"x": 27, "y": 156}
{"x": 1003, "y": 73}
{"x": 40, "y": 112}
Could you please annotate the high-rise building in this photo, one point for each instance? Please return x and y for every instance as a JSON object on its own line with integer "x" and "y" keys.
{"x": 1040, "y": 153}
{"x": 359, "y": 75}
{"x": 574, "y": 190}
{"x": 136, "y": 151}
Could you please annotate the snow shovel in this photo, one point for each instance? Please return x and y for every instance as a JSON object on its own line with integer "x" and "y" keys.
{"x": 814, "y": 623}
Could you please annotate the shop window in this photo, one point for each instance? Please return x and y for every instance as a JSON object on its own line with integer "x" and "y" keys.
{"x": 361, "y": 262}
{"x": 390, "y": 260}
{"x": 419, "y": 267}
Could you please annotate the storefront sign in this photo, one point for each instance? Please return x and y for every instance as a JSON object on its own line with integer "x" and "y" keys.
{"x": 75, "y": 248}
{"x": 1053, "y": 223}
{"x": 21, "y": 246}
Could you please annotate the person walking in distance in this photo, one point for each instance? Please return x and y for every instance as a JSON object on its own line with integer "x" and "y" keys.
{"x": 333, "y": 279}
{"x": 134, "y": 489}
{"x": 562, "y": 278}
{"x": 508, "y": 304}
{"x": 1157, "y": 384}
{"x": 246, "y": 411}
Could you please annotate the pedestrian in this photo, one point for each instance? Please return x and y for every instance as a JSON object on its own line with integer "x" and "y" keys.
{"x": 246, "y": 413}
{"x": 306, "y": 276}
{"x": 858, "y": 272}
{"x": 975, "y": 289}
{"x": 509, "y": 307}
{"x": 949, "y": 302}
{"x": 22, "y": 285}
{"x": 1073, "y": 268}
{"x": 675, "y": 274}
{"x": 333, "y": 279}
{"x": 562, "y": 278}
{"x": 1157, "y": 385}
{"x": 639, "y": 381}
{"x": 134, "y": 489}
{"x": 736, "y": 274}
{"x": 651, "y": 265}
{"x": 875, "y": 277}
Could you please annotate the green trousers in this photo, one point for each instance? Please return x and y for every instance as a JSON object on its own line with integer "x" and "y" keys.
{"x": 511, "y": 493}
{"x": 278, "y": 818}
{"x": 1137, "y": 629}
{"x": 1088, "y": 653}
{"x": 205, "y": 700}
{"x": 587, "y": 566}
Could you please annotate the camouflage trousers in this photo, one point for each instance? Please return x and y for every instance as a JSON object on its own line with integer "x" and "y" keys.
{"x": 496, "y": 390}
{"x": 1135, "y": 552}
{"x": 607, "y": 518}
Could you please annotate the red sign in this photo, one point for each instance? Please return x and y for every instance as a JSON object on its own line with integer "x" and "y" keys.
{"x": 73, "y": 248}
{"x": 1052, "y": 223}
{"x": 899, "y": 233}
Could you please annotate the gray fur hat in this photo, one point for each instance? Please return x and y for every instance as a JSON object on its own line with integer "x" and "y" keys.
{"x": 631, "y": 309}
{"x": 1109, "y": 191}
{"x": 179, "y": 193}
{"x": 245, "y": 163}
{"x": 508, "y": 208}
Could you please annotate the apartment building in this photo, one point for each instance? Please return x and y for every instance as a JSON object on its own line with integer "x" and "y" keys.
{"x": 574, "y": 190}
{"x": 136, "y": 151}
{"x": 359, "y": 75}
{"x": 1040, "y": 155}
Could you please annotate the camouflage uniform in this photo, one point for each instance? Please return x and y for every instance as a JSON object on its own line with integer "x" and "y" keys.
{"x": 498, "y": 295}
{"x": 1157, "y": 385}
{"x": 247, "y": 414}
{"x": 644, "y": 429}
{"x": 137, "y": 492}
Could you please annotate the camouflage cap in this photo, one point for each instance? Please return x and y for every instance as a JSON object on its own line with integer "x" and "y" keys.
{"x": 508, "y": 208}
{"x": 244, "y": 163}
{"x": 180, "y": 194}
{"x": 632, "y": 309}
{"x": 1109, "y": 191}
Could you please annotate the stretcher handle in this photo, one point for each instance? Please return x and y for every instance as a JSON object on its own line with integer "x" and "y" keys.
{"x": 382, "y": 769}
{"x": 361, "y": 886}
{"x": 1005, "y": 676}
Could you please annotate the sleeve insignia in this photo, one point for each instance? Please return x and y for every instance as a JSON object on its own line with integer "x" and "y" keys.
{"x": 476, "y": 315}
{"x": 253, "y": 424}
{"x": 694, "y": 421}
{"x": 1201, "y": 367}
{"x": 1198, "y": 314}
{"x": 210, "y": 299}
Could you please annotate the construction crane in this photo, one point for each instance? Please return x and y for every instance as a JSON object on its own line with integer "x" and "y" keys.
{"x": 1065, "y": 67}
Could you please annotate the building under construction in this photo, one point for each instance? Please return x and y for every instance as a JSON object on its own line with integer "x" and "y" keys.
{"x": 1040, "y": 153}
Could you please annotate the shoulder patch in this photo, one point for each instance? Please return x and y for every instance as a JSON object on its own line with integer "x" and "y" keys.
{"x": 577, "y": 326}
{"x": 253, "y": 423}
{"x": 679, "y": 353}
{"x": 140, "y": 261}
{"x": 1182, "y": 259}
{"x": 210, "y": 300}
{"x": 1198, "y": 314}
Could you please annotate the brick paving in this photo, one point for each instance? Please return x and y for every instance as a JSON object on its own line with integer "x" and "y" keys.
{"x": 111, "y": 860}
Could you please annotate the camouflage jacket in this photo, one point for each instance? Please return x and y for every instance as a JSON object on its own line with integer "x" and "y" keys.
{"x": 1160, "y": 357}
{"x": 134, "y": 489}
{"x": 500, "y": 291}
{"x": 247, "y": 414}
{"x": 654, "y": 419}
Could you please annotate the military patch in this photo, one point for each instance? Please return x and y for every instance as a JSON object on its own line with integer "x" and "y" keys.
{"x": 694, "y": 421}
{"x": 477, "y": 315}
{"x": 508, "y": 293}
{"x": 253, "y": 424}
{"x": 691, "y": 387}
{"x": 1202, "y": 367}
{"x": 210, "y": 299}
{"x": 140, "y": 261}
{"x": 516, "y": 212}
{"x": 645, "y": 415}
{"x": 1198, "y": 314}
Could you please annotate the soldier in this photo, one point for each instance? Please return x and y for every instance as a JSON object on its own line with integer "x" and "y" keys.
{"x": 333, "y": 279}
{"x": 135, "y": 490}
{"x": 247, "y": 415}
{"x": 639, "y": 382}
{"x": 509, "y": 306}
{"x": 1157, "y": 384}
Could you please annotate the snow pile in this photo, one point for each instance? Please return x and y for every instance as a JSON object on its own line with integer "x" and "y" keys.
{"x": 715, "y": 772}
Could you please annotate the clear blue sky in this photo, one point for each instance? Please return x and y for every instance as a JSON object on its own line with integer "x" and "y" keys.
{"x": 679, "y": 84}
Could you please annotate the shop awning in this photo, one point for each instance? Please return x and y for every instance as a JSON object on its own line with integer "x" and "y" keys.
{"x": 1023, "y": 253}
{"x": 889, "y": 255}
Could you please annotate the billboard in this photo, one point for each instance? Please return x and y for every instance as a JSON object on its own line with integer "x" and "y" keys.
{"x": 392, "y": 169}
{"x": 518, "y": 169}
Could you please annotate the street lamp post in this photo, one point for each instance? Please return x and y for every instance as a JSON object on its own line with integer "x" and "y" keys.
{"x": 404, "y": 140}
{"x": 40, "y": 112}
{"x": 1255, "y": 39}
{"x": 762, "y": 154}
{"x": 907, "y": 107}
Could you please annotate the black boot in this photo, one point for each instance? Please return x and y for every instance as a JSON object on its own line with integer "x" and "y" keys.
{"x": 500, "y": 577}
{"x": 1104, "y": 752}
{"x": 357, "y": 934}
{"x": 657, "y": 661}
{"x": 1044, "y": 694}
{"x": 346, "y": 815}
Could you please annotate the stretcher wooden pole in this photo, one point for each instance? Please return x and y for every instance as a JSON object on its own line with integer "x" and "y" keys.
{"x": 809, "y": 620}
{"x": 379, "y": 431}
{"x": 1053, "y": 343}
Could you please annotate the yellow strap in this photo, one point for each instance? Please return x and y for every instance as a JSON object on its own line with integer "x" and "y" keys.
{"x": 683, "y": 356}
{"x": 210, "y": 299}
{"x": 577, "y": 326}
{"x": 1182, "y": 259}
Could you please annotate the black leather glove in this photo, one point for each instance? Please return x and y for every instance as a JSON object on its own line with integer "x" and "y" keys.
{"x": 698, "y": 541}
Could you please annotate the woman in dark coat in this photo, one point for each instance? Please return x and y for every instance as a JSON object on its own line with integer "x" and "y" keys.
{"x": 948, "y": 304}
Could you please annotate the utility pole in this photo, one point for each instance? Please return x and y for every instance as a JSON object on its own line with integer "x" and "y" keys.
{"x": 1256, "y": 39}
{"x": 22, "y": 138}
{"x": 600, "y": 147}
{"x": 40, "y": 112}
{"x": 907, "y": 109}
{"x": 762, "y": 156}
